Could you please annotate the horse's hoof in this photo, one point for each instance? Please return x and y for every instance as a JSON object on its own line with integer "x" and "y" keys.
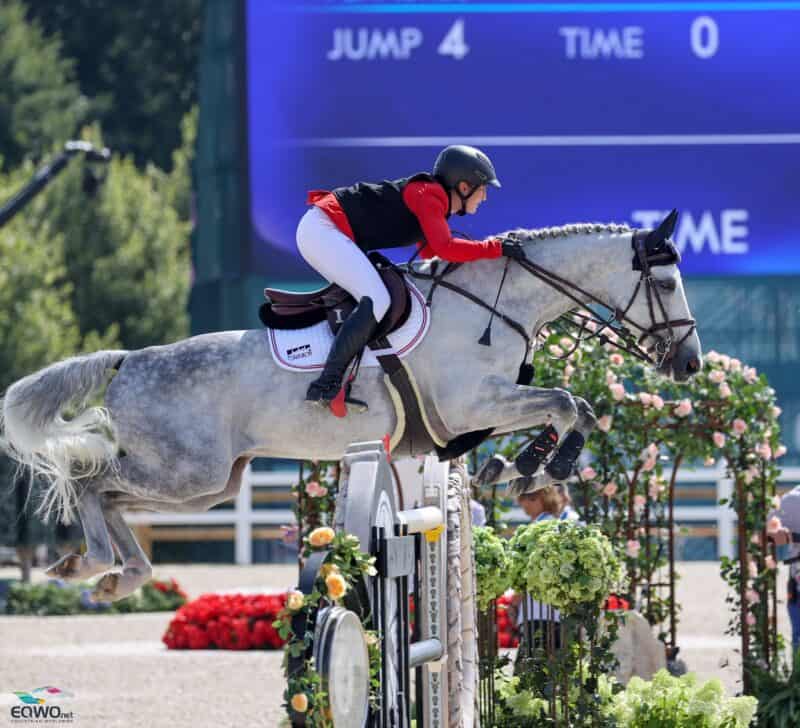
{"x": 68, "y": 567}
{"x": 106, "y": 589}
{"x": 491, "y": 470}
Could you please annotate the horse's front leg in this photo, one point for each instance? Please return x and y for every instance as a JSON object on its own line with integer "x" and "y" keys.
{"x": 526, "y": 464}
{"x": 514, "y": 407}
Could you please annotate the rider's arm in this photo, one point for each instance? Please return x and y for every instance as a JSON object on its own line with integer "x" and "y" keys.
{"x": 428, "y": 201}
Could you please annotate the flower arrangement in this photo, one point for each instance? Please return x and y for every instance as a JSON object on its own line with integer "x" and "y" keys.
{"x": 564, "y": 564}
{"x": 491, "y": 565}
{"x": 344, "y": 565}
{"x": 680, "y": 702}
{"x": 227, "y": 622}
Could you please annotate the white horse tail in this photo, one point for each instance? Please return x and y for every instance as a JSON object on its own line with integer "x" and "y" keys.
{"x": 45, "y": 424}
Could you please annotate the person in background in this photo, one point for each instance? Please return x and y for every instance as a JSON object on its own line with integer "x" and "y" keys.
{"x": 541, "y": 503}
{"x": 568, "y": 513}
{"x": 782, "y": 523}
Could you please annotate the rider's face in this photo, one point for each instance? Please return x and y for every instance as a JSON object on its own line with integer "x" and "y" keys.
{"x": 476, "y": 198}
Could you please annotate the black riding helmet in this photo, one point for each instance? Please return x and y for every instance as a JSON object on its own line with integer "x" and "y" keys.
{"x": 460, "y": 163}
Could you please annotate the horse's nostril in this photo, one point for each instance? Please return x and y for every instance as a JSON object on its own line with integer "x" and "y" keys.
{"x": 693, "y": 365}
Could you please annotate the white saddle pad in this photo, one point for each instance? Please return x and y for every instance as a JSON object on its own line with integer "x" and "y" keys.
{"x": 303, "y": 350}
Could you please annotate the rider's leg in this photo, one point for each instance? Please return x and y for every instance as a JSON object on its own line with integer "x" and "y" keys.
{"x": 341, "y": 261}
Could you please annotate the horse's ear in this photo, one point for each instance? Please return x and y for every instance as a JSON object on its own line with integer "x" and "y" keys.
{"x": 664, "y": 230}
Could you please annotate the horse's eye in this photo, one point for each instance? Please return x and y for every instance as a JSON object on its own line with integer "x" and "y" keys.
{"x": 666, "y": 284}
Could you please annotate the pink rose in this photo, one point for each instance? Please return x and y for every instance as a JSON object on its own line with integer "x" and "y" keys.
{"x": 588, "y": 473}
{"x": 616, "y": 359}
{"x": 591, "y": 326}
{"x": 657, "y": 402}
{"x": 780, "y": 451}
{"x": 750, "y": 619}
{"x": 611, "y": 378}
{"x": 556, "y": 350}
{"x": 776, "y": 502}
{"x": 764, "y": 450}
{"x": 717, "y": 376}
{"x": 632, "y": 548}
{"x": 752, "y": 596}
{"x": 617, "y": 392}
{"x": 709, "y": 462}
{"x": 610, "y": 489}
{"x": 725, "y": 360}
{"x": 712, "y": 356}
{"x": 315, "y": 490}
{"x": 719, "y": 439}
{"x": 739, "y": 426}
{"x": 724, "y": 390}
{"x": 776, "y": 411}
{"x": 752, "y": 569}
{"x": 769, "y": 562}
{"x": 648, "y": 465}
{"x": 645, "y": 398}
{"x": 736, "y": 365}
{"x": 569, "y": 370}
{"x": 639, "y": 501}
{"x": 684, "y": 408}
{"x": 750, "y": 375}
{"x": 604, "y": 423}
{"x": 566, "y": 343}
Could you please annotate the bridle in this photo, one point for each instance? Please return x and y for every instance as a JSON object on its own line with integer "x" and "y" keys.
{"x": 628, "y": 335}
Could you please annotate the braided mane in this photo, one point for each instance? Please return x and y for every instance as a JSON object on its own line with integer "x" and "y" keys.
{"x": 562, "y": 231}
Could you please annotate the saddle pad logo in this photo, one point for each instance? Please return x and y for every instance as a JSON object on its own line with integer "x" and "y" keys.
{"x": 298, "y": 352}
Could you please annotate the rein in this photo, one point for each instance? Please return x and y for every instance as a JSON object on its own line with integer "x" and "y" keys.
{"x": 662, "y": 352}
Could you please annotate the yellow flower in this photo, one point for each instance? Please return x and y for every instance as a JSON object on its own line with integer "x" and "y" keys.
{"x": 295, "y": 600}
{"x": 328, "y": 569}
{"x": 336, "y": 585}
{"x": 321, "y": 536}
{"x": 299, "y": 702}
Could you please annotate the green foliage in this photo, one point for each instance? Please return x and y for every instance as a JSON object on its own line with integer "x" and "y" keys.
{"x": 491, "y": 565}
{"x": 40, "y": 102}
{"x": 56, "y": 598}
{"x": 135, "y": 62}
{"x": 670, "y": 702}
{"x": 568, "y": 564}
{"x": 37, "y": 324}
{"x": 778, "y": 694}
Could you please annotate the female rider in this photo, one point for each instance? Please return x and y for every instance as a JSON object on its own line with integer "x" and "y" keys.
{"x": 342, "y": 225}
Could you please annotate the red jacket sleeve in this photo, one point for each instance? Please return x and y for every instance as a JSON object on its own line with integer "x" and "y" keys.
{"x": 428, "y": 201}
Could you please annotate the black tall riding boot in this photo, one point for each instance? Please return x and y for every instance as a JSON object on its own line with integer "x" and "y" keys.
{"x": 351, "y": 338}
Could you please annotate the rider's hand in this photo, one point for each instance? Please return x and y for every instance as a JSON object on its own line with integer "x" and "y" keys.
{"x": 513, "y": 249}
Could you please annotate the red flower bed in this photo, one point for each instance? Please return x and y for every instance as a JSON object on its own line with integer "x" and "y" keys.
{"x": 506, "y": 636}
{"x": 226, "y": 622}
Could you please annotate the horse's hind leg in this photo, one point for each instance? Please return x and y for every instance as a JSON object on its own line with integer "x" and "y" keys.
{"x": 99, "y": 555}
{"x": 136, "y": 568}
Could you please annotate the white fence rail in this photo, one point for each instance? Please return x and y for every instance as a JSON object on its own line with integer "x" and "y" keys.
{"x": 243, "y": 517}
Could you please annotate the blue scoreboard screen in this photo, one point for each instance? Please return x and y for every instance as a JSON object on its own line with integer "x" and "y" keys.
{"x": 591, "y": 111}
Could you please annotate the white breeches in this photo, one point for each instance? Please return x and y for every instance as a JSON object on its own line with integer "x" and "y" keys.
{"x": 331, "y": 253}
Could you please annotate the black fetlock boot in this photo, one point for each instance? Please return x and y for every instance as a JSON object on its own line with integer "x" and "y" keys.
{"x": 529, "y": 460}
{"x": 352, "y": 337}
{"x": 560, "y": 467}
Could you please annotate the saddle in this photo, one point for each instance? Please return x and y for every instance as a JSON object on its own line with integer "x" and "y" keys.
{"x": 292, "y": 310}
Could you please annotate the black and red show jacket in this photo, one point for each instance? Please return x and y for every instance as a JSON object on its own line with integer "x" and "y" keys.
{"x": 393, "y": 214}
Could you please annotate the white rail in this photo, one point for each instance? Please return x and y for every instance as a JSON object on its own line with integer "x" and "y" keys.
{"x": 243, "y": 517}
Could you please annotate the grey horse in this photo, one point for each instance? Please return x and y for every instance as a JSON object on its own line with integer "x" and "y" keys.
{"x": 181, "y": 422}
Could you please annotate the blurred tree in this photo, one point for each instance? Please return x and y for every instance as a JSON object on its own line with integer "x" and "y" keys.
{"x": 40, "y": 102}
{"x": 127, "y": 253}
{"x": 137, "y": 62}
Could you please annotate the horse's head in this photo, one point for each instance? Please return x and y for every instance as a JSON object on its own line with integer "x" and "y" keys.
{"x": 655, "y": 310}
